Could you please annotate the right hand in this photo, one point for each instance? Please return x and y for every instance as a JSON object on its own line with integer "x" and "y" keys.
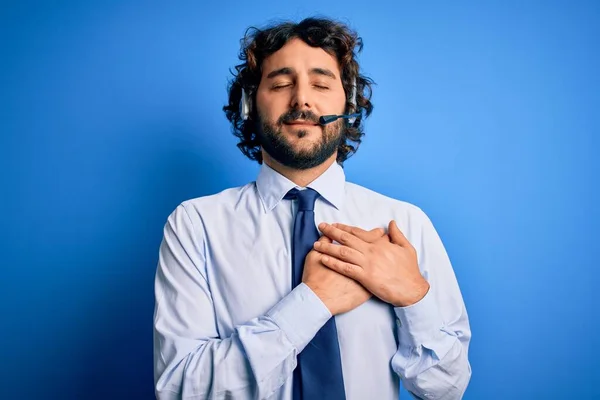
{"x": 339, "y": 293}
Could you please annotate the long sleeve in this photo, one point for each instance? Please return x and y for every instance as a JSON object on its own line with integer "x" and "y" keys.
{"x": 191, "y": 360}
{"x": 434, "y": 333}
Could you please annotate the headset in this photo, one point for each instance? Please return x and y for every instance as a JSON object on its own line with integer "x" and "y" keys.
{"x": 246, "y": 107}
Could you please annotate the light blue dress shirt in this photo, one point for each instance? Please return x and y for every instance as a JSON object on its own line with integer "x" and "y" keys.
{"x": 227, "y": 324}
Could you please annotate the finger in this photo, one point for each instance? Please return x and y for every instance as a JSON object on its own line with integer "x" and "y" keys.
{"x": 397, "y": 236}
{"x": 340, "y": 252}
{"x": 368, "y": 236}
{"x": 350, "y": 270}
{"x": 324, "y": 239}
{"x": 343, "y": 237}
{"x": 385, "y": 238}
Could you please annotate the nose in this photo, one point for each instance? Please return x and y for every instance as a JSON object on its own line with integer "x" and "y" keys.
{"x": 301, "y": 97}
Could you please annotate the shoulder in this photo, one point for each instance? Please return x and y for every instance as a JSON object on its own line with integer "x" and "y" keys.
{"x": 223, "y": 202}
{"x": 381, "y": 202}
{"x": 226, "y": 198}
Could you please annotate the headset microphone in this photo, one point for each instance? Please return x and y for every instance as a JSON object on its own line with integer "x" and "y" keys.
{"x": 327, "y": 119}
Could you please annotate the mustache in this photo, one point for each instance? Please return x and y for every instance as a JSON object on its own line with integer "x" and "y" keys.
{"x": 294, "y": 115}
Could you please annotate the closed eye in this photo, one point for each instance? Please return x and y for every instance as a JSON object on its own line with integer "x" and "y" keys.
{"x": 281, "y": 86}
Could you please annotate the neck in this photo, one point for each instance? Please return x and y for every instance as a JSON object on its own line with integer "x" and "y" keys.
{"x": 301, "y": 177}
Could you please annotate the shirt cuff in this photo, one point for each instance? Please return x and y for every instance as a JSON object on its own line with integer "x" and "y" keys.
{"x": 300, "y": 315}
{"x": 421, "y": 321}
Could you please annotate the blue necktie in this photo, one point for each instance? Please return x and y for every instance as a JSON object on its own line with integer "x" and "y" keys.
{"x": 318, "y": 374}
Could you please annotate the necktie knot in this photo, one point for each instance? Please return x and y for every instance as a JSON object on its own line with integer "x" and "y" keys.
{"x": 306, "y": 198}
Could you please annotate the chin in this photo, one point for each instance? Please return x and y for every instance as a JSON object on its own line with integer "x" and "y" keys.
{"x": 306, "y": 130}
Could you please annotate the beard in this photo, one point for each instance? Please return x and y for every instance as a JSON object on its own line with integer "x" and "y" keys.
{"x": 274, "y": 142}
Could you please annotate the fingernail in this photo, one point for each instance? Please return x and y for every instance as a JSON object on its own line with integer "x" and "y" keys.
{"x": 322, "y": 225}
{"x": 317, "y": 244}
{"x": 325, "y": 259}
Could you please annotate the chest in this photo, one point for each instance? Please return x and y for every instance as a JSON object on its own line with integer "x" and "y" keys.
{"x": 249, "y": 269}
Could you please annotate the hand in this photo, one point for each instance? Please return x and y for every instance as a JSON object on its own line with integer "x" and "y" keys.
{"x": 388, "y": 269}
{"x": 339, "y": 293}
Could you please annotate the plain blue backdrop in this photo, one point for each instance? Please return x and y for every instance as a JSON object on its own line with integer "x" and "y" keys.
{"x": 486, "y": 116}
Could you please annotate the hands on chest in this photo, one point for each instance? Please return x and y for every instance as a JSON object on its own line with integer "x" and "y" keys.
{"x": 364, "y": 263}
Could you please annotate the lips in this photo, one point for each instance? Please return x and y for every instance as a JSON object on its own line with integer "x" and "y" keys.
{"x": 301, "y": 122}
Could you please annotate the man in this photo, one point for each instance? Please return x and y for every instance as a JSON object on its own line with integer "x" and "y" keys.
{"x": 253, "y": 302}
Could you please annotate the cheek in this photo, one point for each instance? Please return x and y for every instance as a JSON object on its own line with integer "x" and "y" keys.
{"x": 339, "y": 99}
{"x": 334, "y": 129}
{"x": 343, "y": 102}
{"x": 268, "y": 108}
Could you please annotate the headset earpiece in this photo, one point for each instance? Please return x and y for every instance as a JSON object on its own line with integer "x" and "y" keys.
{"x": 245, "y": 105}
{"x": 353, "y": 102}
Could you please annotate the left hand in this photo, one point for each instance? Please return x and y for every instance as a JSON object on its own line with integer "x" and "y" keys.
{"x": 388, "y": 268}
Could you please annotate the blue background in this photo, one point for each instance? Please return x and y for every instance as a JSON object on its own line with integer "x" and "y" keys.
{"x": 486, "y": 116}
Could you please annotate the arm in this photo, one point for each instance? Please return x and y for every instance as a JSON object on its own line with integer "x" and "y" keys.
{"x": 434, "y": 333}
{"x": 191, "y": 360}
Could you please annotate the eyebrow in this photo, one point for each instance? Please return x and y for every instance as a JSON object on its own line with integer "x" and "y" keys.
{"x": 290, "y": 71}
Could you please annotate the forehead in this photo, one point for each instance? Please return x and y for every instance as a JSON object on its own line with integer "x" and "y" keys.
{"x": 300, "y": 57}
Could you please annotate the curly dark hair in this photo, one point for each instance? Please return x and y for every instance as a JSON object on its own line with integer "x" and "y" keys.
{"x": 333, "y": 37}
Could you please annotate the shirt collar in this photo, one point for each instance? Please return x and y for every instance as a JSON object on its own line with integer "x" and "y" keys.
{"x": 272, "y": 186}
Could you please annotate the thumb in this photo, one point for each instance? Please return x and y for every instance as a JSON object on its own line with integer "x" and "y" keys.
{"x": 396, "y": 235}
